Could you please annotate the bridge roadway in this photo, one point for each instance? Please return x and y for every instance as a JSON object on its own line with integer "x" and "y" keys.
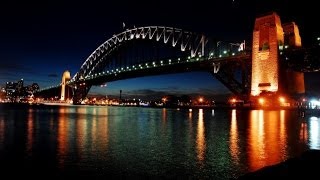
{"x": 292, "y": 58}
{"x": 168, "y": 66}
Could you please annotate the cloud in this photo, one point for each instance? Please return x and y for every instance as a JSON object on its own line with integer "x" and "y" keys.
{"x": 154, "y": 94}
{"x": 214, "y": 91}
{"x": 52, "y": 75}
{"x": 158, "y": 93}
{"x": 13, "y": 67}
{"x": 145, "y": 94}
{"x": 13, "y": 71}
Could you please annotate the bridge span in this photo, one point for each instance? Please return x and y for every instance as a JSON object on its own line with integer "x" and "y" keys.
{"x": 276, "y": 55}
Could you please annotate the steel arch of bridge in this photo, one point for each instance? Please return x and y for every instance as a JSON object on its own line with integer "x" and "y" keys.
{"x": 188, "y": 41}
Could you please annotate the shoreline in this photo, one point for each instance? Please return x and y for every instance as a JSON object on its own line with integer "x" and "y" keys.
{"x": 304, "y": 165}
{"x": 244, "y": 108}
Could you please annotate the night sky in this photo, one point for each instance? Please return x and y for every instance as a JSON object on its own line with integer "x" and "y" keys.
{"x": 41, "y": 39}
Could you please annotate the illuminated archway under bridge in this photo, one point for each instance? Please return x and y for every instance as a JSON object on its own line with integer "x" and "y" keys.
{"x": 187, "y": 52}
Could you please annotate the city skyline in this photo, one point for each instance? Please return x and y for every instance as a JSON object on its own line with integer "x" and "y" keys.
{"x": 40, "y": 41}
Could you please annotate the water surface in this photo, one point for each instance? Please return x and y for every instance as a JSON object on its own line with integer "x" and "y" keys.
{"x": 102, "y": 141}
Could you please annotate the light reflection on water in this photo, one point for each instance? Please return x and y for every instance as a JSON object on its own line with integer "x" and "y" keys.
{"x": 234, "y": 137}
{"x": 202, "y": 143}
{"x": 62, "y": 137}
{"x": 314, "y": 133}
{"x": 267, "y": 137}
{"x": 2, "y": 131}
{"x": 30, "y": 129}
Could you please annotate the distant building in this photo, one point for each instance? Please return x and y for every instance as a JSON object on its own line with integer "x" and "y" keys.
{"x": 10, "y": 90}
{"x": 16, "y": 90}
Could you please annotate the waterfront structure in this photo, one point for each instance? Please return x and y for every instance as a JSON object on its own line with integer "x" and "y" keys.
{"x": 276, "y": 64}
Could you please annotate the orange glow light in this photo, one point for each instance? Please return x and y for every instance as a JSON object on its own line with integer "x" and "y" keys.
{"x": 261, "y": 101}
{"x": 282, "y": 99}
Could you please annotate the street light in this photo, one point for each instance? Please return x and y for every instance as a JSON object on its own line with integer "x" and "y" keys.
{"x": 201, "y": 100}
{"x": 261, "y": 101}
{"x": 282, "y": 99}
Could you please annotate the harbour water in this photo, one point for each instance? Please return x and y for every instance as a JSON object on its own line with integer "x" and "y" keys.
{"x": 98, "y": 142}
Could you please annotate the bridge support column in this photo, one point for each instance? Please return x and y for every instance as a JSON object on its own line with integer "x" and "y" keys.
{"x": 65, "y": 77}
{"x": 270, "y": 73}
{"x": 267, "y": 36}
{"x": 80, "y": 92}
{"x": 293, "y": 83}
{"x": 226, "y": 74}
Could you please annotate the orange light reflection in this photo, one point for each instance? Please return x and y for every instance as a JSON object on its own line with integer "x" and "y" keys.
{"x": 94, "y": 128}
{"x": 234, "y": 148}
{"x": 102, "y": 131}
{"x": 81, "y": 127}
{"x": 2, "y": 131}
{"x": 304, "y": 132}
{"x": 201, "y": 144}
{"x": 62, "y": 137}
{"x": 164, "y": 115}
{"x": 30, "y": 132}
{"x": 283, "y": 135}
{"x": 271, "y": 141}
{"x": 267, "y": 138}
{"x": 256, "y": 140}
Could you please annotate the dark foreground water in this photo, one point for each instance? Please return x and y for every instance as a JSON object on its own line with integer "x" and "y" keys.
{"x": 129, "y": 142}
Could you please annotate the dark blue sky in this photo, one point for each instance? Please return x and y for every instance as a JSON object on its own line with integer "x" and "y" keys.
{"x": 41, "y": 39}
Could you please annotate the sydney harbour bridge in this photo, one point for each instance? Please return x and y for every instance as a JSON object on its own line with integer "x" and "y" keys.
{"x": 276, "y": 53}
